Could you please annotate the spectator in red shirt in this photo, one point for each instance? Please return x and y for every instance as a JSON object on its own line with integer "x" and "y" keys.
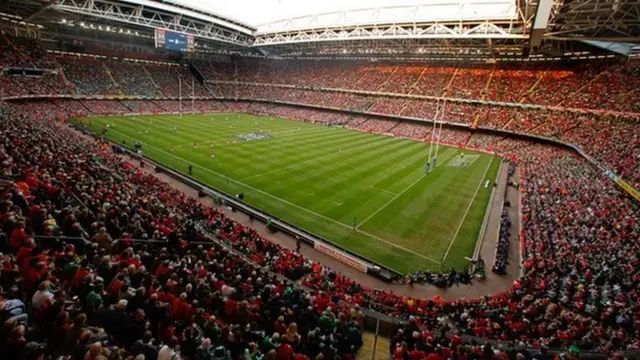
{"x": 18, "y": 237}
{"x": 416, "y": 353}
{"x": 180, "y": 308}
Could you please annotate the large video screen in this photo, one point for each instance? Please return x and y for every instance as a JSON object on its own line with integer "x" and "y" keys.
{"x": 174, "y": 41}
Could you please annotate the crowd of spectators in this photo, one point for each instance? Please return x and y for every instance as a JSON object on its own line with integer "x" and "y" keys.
{"x": 612, "y": 141}
{"x": 102, "y": 75}
{"x": 125, "y": 50}
{"x": 411, "y": 130}
{"x": 131, "y": 77}
{"x": 106, "y": 107}
{"x": 23, "y": 85}
{"x": 501, "y": 257}
{"x": 574, "y": 127}
{"x": 580, "y": 232}
{"x": 611, "y": 89}
{"x": 88, "y": 74}
{"x": 512, "y": 83}
{"x": 170, "y": 77}
{"x": 110, "y": 266}
{"x": 592, "y": 85}
{"x": 442, "y": 279}
{"x": 559, "y": 81}
{"x": 141, "y": 106}
{"x": 23, "y": 52}
{"x": 388, "y": 106}
{"x": 470, "y": 82}
{"x": 580, "y": 235}
{"x": 8, "y": 55}
{"x": 375, "y": 126}
{"x": 168, "y": 105}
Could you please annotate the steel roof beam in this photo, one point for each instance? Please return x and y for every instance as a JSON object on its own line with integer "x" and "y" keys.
{"x": 482, "y": 30}
{"x": 152, "y": 18}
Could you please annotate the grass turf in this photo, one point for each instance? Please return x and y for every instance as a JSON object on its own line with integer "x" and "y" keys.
{"x": 328, "y": 179}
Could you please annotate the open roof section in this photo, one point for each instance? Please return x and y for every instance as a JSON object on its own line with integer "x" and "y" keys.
{"x": 197, "y": 7}
{"x": 271, "y": 16}
{"x": 427, "y": 12}
{"x": 171, "y": 7}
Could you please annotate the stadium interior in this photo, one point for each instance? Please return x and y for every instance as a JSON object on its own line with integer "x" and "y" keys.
{"x": 109, "y": 251}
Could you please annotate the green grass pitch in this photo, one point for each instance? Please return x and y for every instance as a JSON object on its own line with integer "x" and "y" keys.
{"x": 326, "y": 179}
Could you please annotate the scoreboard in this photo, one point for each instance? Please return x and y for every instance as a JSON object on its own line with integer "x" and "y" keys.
{"x": 174, "y": 41}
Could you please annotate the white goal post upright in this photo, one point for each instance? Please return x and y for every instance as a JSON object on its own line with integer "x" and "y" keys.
{"x": 180, "y": 94}
{"x": 435, "y": 158}
{"x": 193, "y": 96}
{"x": 432, "y": 137}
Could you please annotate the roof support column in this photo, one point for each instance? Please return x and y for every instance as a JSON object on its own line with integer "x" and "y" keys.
{"x": 540, "y": 23}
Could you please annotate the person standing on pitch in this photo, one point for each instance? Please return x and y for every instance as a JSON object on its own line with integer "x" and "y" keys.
{"x": 190, "y": 169}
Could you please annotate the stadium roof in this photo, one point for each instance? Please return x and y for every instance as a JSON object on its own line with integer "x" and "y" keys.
{"x": 434, "y": 29}
{"x": 270, "y": 16}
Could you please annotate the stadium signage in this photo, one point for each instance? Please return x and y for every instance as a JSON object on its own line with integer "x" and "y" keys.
{"x": 174, "y": 41}
{"x": 349, "y": 260}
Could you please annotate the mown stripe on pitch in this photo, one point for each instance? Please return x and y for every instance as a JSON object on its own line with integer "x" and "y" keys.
{"x": 386, "y": 164}
{"x": 318, "y": 152}
{"x": 405, "y": 172}
{"x": 449, "y": 201}
{"x": 319, "y": 177}
{"x": 205, "y": 152}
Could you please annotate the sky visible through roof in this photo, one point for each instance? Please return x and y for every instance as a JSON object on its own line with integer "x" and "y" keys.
{"x": 257, "y": 12}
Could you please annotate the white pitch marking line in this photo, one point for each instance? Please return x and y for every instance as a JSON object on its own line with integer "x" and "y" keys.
{"x": 383, "y": 190}
{"x": 287, "y": 202}
{"x": 453, "y": 239}
{"x": 400, "y": 193}
{"x": 300, "y": 163}
{"x": 282, "y": 168}
{"x": 396, "y": 245}
{"x": 390, "y": 201}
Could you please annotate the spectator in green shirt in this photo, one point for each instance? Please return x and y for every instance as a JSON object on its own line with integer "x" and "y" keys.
{"x": 212, "y": 330}
{"x": 327, "y": 321}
